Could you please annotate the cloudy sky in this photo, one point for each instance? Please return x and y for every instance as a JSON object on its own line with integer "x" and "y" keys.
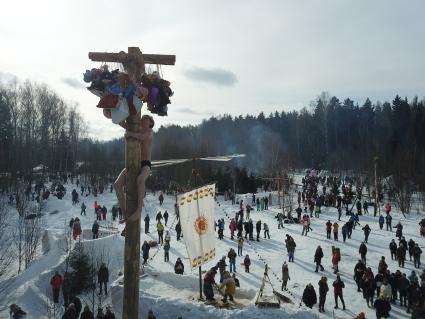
{"x": 234, "y": 57}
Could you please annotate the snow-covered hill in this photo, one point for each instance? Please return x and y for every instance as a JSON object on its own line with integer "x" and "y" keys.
{"x": 172, "y": 296}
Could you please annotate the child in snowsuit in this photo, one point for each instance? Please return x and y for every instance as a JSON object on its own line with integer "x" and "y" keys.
{"x": 247, "y": 263}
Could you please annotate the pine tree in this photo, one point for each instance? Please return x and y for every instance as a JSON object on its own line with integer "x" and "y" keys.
{"x": 82, "y": 274}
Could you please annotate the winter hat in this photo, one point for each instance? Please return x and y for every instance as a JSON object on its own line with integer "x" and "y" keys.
{"x": 361, "y": 315}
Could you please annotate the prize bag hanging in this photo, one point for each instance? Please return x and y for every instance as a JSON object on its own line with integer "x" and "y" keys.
{"x": 121, "y": 112}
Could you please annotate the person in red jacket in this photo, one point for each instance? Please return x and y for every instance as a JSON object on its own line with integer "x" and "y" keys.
{"x": 336, "y": 258}
{"x": 56, "y": 283}
{"x": 76, "y": 231}
{"x": 232, "y": 227}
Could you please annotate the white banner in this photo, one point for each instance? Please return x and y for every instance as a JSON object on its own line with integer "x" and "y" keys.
{"x": 197, "y": 221}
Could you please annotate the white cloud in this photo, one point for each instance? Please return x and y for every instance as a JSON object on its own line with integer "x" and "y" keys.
{"x": 216, "y": 76}
{"x": 74, "y": 83}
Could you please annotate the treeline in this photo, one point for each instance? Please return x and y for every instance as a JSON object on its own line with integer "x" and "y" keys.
{"x": 330, "y": 133}
{"x": 37, "y": 126}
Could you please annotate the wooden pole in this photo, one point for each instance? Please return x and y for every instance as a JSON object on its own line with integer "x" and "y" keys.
{"x": 134, "y": 67}
{"x": 134, "y": 64}
{"x": 200, "y": 283}
{"x": 375, "y": 209}
{"x": 278, "y": 192}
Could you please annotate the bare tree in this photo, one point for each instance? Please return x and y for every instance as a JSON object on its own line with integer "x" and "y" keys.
{"x": 402, "y": 189}
{"x": 7, "y": 256}
{"x": 28, "y": 229}
{"x": 33, "y": 235}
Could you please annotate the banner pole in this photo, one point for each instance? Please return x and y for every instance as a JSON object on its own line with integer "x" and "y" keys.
{"x": 200, "y": 283}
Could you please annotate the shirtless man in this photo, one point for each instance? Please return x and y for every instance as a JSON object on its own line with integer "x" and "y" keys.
{"x": 145, "y": 136}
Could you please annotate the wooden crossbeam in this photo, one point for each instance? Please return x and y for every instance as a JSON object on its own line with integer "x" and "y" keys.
{"x": 123, "y": 57}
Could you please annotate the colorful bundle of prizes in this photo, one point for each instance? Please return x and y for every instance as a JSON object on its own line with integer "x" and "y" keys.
{"x": 120, "y": 96}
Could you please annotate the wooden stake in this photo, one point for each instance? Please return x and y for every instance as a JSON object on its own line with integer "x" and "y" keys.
{"x": 134, "y": 64}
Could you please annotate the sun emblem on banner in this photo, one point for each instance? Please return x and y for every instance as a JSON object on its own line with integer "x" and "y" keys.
{"x": 201, "y": 225}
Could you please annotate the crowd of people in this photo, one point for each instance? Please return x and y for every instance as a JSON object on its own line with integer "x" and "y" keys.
{"x": 72, "y": 302}
{"x": 381, "y": 289}
{"x": 388, "y": 287}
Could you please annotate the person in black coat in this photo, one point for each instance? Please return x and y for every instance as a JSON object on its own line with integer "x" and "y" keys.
{"x": 416, "y": 252}
{"x": 178, "y": 230}
{"x": 404, "y": 242}
{"x": 323, "y": 290}
{"x": 103, "y": 278}
{"x": 382, "y": 307}
{"x": 393, "y": 249}
{"x": 179, "y": 267}
{"x": 145, "y": 252}
{"x": 367, "y": 284}
{"x": 165, "y": 217}
{"x": 250, "y": 230}
{"x": 410, "y": 246}
{"x": 363, "y": 252}
{"x": 366, "y": 230}
{"x": 70, "y": 312}
{"x": 258, "y": 229}
{"x": 338, "y": 285}
{"x": 393, "y": 281}
{"x": 16, "y": 312}
{"x": 401, "y": 255}
{"x": 95, "y": 230}
{"x": 318, "y": 255}
{"x": 403, "y": 287}
{"x": 77, "y": 303}
{"x": 359, "y": 271}
{"x": 399, "y": 231}
{"x": 87, "y": 314}
{"x": 147, "y": 220}
{"x": 158, "y": 217}
{"x": 413, "y": 294}
{"x": 309, "y": 296}
{"x": 239, "y": 227}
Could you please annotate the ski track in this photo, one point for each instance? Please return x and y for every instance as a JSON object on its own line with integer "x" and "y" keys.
{"x": 170, "y": 295}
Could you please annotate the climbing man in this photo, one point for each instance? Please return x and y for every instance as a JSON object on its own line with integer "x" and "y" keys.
{"x": 145, "y": 136}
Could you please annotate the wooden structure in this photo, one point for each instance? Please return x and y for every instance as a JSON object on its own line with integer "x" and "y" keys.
{"x": 269, "y": 301}
{"x": 134, "y": 64}
{"x": 283, "y": 184}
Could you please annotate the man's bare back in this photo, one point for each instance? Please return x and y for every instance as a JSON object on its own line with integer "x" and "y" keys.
{"x": 145, "y": 137}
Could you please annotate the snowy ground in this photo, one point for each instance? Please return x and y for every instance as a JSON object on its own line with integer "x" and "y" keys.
{"x": 171, "y": 296}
